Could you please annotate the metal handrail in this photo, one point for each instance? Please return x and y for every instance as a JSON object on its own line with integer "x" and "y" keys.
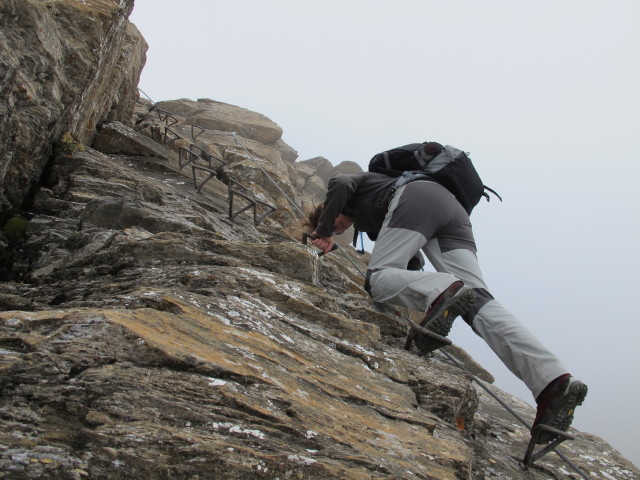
{"x": 185, "y": 157}
{"x": 194, "y": 136}
{"x": 164, "y": 134}
{"x": 211, "y": 174}
{"x": 191, "y": 155}
{"x": 238, "y": 143}
{"x": 166, "y": 117}
{"x": 205, "y": 155}
{"x": 253, "y": 203}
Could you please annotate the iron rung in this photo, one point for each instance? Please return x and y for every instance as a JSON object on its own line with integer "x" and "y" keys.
{"x": 530, "y": 457}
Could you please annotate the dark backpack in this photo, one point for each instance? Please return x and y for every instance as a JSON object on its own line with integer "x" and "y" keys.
{"x": 448, "y": 166}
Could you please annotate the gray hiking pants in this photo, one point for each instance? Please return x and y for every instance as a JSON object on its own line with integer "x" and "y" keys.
{"x": 424, "y": 215}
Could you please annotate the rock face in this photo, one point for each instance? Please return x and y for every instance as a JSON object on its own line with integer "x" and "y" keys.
{"x": 146, "y": 334}
{"x": 65, "y": 66}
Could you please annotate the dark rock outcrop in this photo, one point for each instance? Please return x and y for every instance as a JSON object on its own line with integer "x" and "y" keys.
{"x": 65, "y": 66}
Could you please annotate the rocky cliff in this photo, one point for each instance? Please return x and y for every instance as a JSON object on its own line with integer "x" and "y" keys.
{"x": 152, "y": 328}
{"x": 65, "y": 66}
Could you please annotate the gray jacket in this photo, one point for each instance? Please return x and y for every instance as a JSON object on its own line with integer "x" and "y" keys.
{"x": 363, "y": 196}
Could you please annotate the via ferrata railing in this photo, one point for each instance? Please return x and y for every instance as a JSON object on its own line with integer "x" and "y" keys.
{"x": 195, "y": 155}
{"x": 236, "y": 189}
{"x": 168, "y": 120}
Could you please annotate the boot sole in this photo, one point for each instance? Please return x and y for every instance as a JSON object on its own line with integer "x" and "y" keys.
{"x": 443, "y": 320}
{"x": 563, "y": 419}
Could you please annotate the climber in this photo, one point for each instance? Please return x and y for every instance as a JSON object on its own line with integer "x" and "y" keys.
{"x": 423, "y": 215}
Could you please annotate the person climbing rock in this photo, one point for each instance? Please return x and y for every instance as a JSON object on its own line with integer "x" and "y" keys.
{"x": 424, "y": 215}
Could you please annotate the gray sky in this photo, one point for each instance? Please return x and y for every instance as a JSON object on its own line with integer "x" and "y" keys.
{"x": 545, "y": 95}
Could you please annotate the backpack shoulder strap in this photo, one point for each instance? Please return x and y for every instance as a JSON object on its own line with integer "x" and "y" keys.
{"x": 422, "y": 158}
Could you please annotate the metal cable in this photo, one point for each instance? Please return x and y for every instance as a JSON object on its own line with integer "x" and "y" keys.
{"x": 350, "y": 259}
{"x": 142, "y": 91}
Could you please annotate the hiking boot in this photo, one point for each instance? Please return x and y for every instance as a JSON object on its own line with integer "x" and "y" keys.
{"x": 451, "y": 303}
{"x": 556, "y": 405}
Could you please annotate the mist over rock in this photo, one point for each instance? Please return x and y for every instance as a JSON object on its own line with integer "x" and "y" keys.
{"x": 145, "y": 333}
